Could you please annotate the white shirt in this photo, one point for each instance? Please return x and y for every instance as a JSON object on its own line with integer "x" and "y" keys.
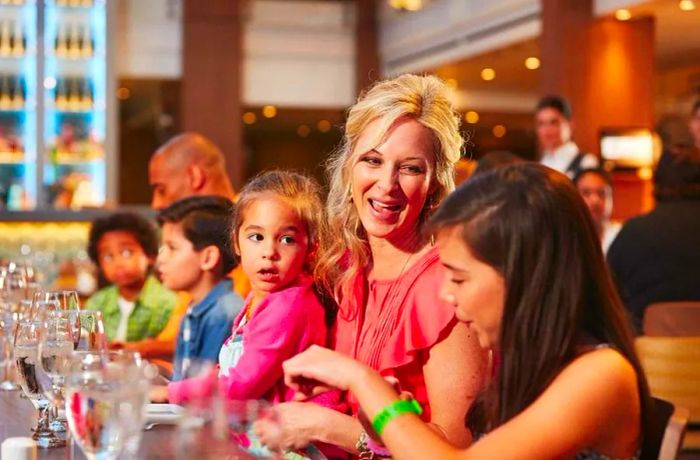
{"x": 561, "y": 157}
{"x": 610, "y": 231}
{"x": 125, "y": 307}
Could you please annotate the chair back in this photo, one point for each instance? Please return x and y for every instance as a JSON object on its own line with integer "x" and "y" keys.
{"x": 672, "y": 319}
{"x": 672, "y": 368}
{"x": 672, "y": 421}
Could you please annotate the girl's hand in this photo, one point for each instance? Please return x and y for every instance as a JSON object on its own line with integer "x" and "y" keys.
{"x": 158, "y": 394}
{"x": 298, "y": 423}
{"x": 320, "y": 366}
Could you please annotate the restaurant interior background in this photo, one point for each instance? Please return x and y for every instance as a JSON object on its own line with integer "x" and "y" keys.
{"x": 90, "y": 88}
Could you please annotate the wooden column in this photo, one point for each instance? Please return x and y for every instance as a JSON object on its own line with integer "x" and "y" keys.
{"x": 211, "y": 77}
{"x": 564, "y": 46}
{"x": 604, "y": 67}
{"x": 366, "y": 44}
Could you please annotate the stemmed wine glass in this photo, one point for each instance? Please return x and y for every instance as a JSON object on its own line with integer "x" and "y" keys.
{"x": 13, "y": 288}
{"x": 27, "y": 358}
{"x": 7, "y": 367}
{"x": 67, "y": 300}
{"x": 55, "y": 350}
{"x": 104, "y": 403}
{"x": 92, "y": 331}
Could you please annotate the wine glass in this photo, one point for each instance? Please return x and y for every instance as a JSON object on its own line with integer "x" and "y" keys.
{"x": 13, "y": 287}
{"x": 27, "y": 358}
{"x": 92, "y": 331}
{"x": 102, "y": 404}
{"x": 55, "y": 351}
{"x": 67, "y": 300}
{"x": 7, "y": 329}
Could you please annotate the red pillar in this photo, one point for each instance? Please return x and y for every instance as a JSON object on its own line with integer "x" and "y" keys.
{"x": 211, "y": 77}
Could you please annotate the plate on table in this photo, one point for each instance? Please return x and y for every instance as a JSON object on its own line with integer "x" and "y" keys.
{"x": 164, "y": 413}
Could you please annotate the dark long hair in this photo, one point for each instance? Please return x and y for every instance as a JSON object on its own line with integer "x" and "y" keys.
{"x": 530, "y": 224}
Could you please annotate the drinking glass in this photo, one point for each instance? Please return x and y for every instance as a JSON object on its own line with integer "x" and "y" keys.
{"x": 13, "y": 288}
{"x": 92, "y": 331}
{"x": 7, "y": 364}
{"x": 55, "y": 351}
{"x": 27, "y": 358}
{"x": 214, "y": 427}
{"x": 102, "y": 404}
{"x": 67, "y": 300}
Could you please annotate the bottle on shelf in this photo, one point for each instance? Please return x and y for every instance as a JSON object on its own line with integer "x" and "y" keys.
{"x": 86, "y": 48}
{"x": 5, "y": 39}
{"x": 61, "y": 48}
{"x": 18, "y": 40}
{"x": 61, "y": 100}
{"x": 74, "y": 95}
{"x": 18, "y": 94}
{"x": 74, "y": 42}
{"x": 86, "y": 99}
{"x": 5, "y": 96}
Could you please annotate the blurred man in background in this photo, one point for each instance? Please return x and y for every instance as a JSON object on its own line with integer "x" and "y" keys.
{"x": 554, "y": 134}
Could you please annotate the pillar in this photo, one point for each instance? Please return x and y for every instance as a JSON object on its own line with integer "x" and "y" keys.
{"x": 211, "y": 77}
{"x": 366, "y": 55}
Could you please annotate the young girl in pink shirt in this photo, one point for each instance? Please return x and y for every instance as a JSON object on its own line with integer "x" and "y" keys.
{"x": 277, "y": 230}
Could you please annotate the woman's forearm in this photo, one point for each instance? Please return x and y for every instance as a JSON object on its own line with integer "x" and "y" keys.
{"x": 340, "y": 430}
{"x": 407, "y": 437}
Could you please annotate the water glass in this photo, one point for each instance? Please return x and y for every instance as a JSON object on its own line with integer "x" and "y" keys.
{"x": 92, "y": 331}
{"x": 102, "y": 406}
{"x": 26, "y": 346}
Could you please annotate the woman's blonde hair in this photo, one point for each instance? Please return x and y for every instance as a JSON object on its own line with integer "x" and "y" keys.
{"x": 301, "y": 192}
{"x": 422, "y": 98}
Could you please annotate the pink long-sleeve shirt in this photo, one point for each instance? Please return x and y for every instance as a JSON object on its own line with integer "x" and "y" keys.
{"x": 284, "y": 324}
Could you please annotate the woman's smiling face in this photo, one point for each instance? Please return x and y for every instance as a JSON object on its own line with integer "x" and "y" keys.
{"x": 391, "y": 181}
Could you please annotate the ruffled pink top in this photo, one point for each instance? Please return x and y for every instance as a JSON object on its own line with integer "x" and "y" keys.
{"x": 399, "y": 323}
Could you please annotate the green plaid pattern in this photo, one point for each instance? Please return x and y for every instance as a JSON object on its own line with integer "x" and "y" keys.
{"x": 151, "y": 312}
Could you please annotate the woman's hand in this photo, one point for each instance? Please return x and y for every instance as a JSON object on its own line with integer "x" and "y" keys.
{"x": 319, "y": 366}
{"x": 299, "y": 423}
{"x": 158, "y": 394}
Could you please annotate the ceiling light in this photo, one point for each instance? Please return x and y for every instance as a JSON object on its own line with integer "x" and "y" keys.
{"x": 303, "y": 131}
{"x": 324, "y": 126}
{"x": 249, "y": 118}
{"x": 532, "y": 63}
{"x": 499, "y": 130}
{"x": 488, "y": 74}
{"x": 623, "y": 14}
{"x": 471, "y": 117}
{"x": 269, "y": 111}
{"x": 408, "y": 5}
{"x": 686, "y": 5}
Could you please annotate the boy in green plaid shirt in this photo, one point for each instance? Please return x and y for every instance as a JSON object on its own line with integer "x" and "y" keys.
{"x": 135, "y": 305}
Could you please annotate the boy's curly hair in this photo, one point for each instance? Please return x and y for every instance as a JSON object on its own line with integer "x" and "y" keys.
{"x": 143, "y": 230}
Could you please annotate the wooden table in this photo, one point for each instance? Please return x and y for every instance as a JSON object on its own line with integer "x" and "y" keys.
{"x": 18, "y": 416}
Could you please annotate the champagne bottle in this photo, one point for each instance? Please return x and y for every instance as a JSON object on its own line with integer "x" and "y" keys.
{"x": 61, "y": 99}
{"x": 86, "y": 96}
{"x": 74, "y": 95}
{"x": 18, "y": 94}
{"x": 74, "y": 42}
{"x": 5, "y": 39}
{"x": 5, "y": 99}
{"x": 18, "y": 48}
{"x": 86, "y": 46}
{"x": 61, "y": 43}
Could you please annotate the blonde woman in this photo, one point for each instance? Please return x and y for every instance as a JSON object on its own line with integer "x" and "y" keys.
{"x": 395, "y": 166}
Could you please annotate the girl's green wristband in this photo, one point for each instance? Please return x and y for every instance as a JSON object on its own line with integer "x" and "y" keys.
{"x": 394, "y": 410}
